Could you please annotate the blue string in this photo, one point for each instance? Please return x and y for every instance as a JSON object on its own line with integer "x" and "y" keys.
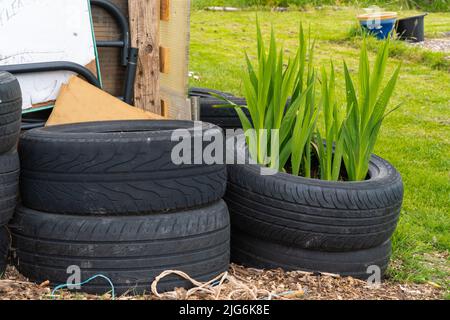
{"x": 62, "y": 286}
{"x": 216, "y": 283}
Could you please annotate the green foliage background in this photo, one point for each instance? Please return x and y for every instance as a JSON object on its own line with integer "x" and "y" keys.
{"x": 431, "y": 5}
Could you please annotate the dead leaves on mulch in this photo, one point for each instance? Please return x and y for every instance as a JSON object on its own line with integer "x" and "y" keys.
{"x": 16, "y": 287}
{"x": 246, "y": 284}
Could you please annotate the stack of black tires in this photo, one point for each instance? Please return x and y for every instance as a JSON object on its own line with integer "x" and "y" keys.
{"x": 296, "y": 223}
{"x": 10, "y": 121}
{"x": 290, "y": 222}
{"x": 107, "y": 198}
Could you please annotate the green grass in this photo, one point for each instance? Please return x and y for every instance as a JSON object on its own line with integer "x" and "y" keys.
{"x": 434, "y": 5}
{"x": 415, "y": 139}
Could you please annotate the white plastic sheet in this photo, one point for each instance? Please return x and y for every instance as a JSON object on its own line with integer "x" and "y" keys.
{"x": 43, "y": 31}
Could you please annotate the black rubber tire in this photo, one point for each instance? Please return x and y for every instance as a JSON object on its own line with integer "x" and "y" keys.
{"x": 9, "y": 88}
{"x": 206, "y": 93}
{"x": 121, "y": 167}
{"x": 316, "y": 214}
{"x": 10, "y": 111}
{"x": 226, "y": 118}
{"x": 9, "y": 185}
{"x": 256, "y": 253}
{"x": 130, "y": 250}
{"x": 5, "y": 242}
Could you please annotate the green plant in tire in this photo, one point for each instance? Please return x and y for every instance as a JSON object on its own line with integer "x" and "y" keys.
{"x": 366, "y": 111}
{"x": 281, "y": 100}
{"x": 350, "y": 135}
{"x": 280, "y": 95}
{"x": 290, "y": 221}
{"x": 330, "y": 147}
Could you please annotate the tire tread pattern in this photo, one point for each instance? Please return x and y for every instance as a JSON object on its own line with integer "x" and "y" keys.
{"x": 307, "y": 213}
{"x": 117, "y": 175}
{"x": 256, "y": 253}
{"x": 130, "y": 250}
{"x": 9, "y": 185}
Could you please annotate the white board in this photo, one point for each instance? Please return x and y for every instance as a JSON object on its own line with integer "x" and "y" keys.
{"x": 34, "y": 31}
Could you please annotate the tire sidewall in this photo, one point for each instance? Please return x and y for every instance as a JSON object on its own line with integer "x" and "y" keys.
{"x": 325, "y": 215}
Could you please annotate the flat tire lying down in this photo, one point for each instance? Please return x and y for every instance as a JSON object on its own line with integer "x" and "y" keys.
{"x": 119, "y": 167}
{"x": 130, "y": 250}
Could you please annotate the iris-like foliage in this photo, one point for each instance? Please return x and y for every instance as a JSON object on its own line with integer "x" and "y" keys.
{"x": 366, "y": 112}
{"x": 280, "y": 98}
{"x": 330, "y": 147}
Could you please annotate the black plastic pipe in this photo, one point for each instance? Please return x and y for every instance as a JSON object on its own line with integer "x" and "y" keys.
{"x": 53, "y": 66}
{"x": 122, "y": 21}
{"x": 29, "y": 124}
{"x": 130, "y": 76}
{"x": 129, "y": 54}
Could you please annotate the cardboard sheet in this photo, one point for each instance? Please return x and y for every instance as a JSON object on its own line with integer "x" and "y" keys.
{"x": 80, "y": 101}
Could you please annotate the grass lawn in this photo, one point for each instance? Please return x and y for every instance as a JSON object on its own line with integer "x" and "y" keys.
{"x": 415, "y": 139}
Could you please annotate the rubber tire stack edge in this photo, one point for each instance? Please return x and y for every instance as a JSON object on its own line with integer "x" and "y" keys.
{"x": 10, "y": 111}
{"x": 115, "y": 168}
{"x": 130, "y": 250}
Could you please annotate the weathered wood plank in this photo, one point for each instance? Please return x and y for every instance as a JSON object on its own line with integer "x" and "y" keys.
{"x": 144, "y": 18}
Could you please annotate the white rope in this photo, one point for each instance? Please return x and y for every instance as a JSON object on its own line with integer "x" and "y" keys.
{"x": 206, "y": 287}
{"x": 213, "y": 287}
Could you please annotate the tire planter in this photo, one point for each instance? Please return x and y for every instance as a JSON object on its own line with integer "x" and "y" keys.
{"x": 313, "y": 216}
{"x": 316, "y": 214}
{"x": 206, "y": 93}
{"x": 5, "y": 241}
{"x": 10, "y": 111}
{"x": 120, "y": 167}
{"x": 226, "y": 118}
{"x": 130, "y": 250}
{"x": 9, "y": 185}
{"x": 261, "y": 254}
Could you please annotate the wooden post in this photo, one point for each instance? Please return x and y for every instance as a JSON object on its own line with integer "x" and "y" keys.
{"x": 144, "y": 28}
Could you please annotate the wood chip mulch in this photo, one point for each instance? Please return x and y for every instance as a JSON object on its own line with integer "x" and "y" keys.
{"x": 246, "y": 284}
